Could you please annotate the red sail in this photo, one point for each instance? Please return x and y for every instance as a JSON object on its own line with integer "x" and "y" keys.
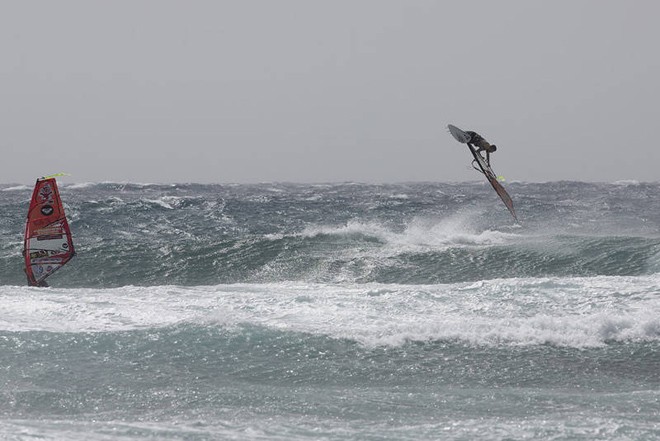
{"x": 48, "y": 245}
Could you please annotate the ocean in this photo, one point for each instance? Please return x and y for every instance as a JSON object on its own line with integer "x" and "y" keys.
{"x": 351, "y": 311}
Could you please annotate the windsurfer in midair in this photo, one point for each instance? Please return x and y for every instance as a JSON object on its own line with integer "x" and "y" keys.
{"x": 482, "y": 144}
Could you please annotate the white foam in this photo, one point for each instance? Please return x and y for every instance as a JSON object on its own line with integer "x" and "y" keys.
{"x": 350, "y": 229}
{"x": 627, "y": 183}
{"x": 160, "y": 202}
{"x": 169, "y": 202}
{"x": 79, "y": 185}
{"x": 421, "y": 234}
{"x": 17, "y": 188}
{"x": 573, "y": 312}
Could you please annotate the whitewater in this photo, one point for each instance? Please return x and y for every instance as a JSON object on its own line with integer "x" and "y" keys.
{"x": 337, "y": 311}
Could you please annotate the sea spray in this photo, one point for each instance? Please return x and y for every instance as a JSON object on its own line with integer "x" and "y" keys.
{"x": 337, "y": 311}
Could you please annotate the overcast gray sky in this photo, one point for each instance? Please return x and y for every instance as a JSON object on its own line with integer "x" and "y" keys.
{"x": 321, "y": 91}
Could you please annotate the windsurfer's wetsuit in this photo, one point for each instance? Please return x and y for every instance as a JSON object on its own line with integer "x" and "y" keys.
{"x": 482, "y": 144}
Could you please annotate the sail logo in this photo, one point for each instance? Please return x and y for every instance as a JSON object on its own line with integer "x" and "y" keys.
{"x": 55, "y": 228}
{"x": 46, "y": 193}
{"x": 47, "y": 210}
{"x": 42, "y": 254}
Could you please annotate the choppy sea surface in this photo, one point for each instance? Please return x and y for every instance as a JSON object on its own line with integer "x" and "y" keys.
{"x": 337, "y": 312}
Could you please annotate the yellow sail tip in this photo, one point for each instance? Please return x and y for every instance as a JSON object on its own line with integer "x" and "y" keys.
{"x": 55, "y": 175}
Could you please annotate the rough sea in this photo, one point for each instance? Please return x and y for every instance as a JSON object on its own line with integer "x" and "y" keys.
{"x": 349, "y": 311}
